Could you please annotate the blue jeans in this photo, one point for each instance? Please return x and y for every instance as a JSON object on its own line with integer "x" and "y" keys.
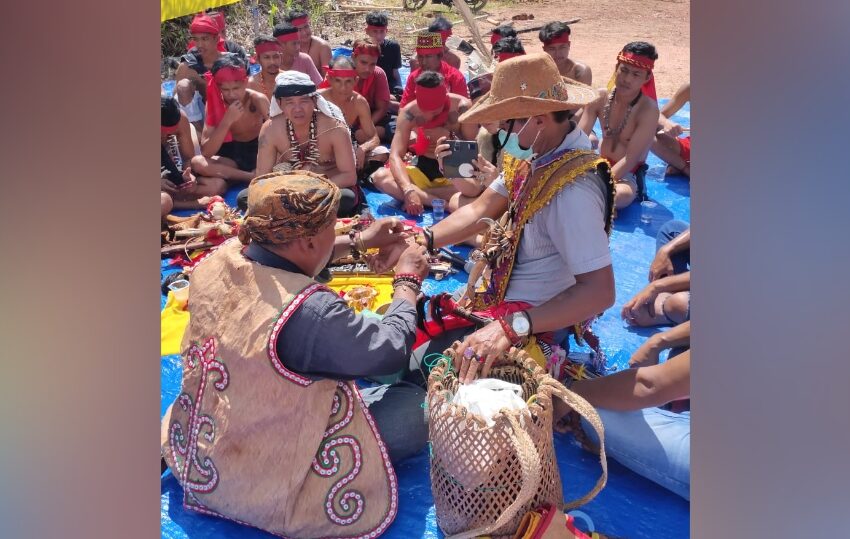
{"x": 398, "y": 412}
{"x": 652, "y": 442}
{"x": 666, "y": 233}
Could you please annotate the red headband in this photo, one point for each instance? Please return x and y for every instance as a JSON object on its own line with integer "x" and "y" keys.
{"x": 424, "y": 51}
{"x": 431, "y": 99}
{"x": 230, "y": 74}
{"x": 267, "y": 47}
{"x": 220, "y": 20}
{"x": 343, "y": 73}
{"x": 367, "y": 50}
{"x": 168, "y": 129}
{"x": 445, "y": 34}
{"x": 563, "y": 38}
{"x": 204, "y": 24}
{"x": 285, "y": 38}
{"x": 301, "y": 21}
{"x": 494, "y": 38}
{"x": 373, "y": 27}
{"x": 506, "y": 55}
{"x": 636, "y": 60}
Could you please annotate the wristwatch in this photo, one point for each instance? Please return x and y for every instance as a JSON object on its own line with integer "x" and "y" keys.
{"x": 521, "y": 324}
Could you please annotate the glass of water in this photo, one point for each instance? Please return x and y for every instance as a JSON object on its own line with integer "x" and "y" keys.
{"x": 439, "y": 207}
{"x": 646, "y": 209}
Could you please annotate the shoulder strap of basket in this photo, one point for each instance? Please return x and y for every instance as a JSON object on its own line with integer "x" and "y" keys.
{"x": 586, "y": 410}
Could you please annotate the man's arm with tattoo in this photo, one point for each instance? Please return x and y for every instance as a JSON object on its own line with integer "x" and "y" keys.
{"x": 398, "y": 148}
{"x": 266, "y": 151}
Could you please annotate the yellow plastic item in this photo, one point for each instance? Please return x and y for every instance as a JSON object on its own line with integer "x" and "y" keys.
{"x": 173, "y": 321}
{"x": 381, "y": 283}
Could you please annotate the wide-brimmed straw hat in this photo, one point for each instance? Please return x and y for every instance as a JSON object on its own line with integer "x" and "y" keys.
{"x": 527, "y": 86}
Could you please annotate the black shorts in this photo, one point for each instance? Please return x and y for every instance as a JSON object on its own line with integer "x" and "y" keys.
{"x": 429, "y": 166}
{"x": 244, "y": 153}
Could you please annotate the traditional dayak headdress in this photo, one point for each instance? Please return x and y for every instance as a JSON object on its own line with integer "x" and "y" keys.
{"x": 204, "y": 24}
{"x": 215, "y": 102}
{"x": 429, "y": 43}
{"x": 286, "y": 206}
{"x": 526, "y": 86}
{"x": 295, "y": 83}
{"x": 643, "y": 62}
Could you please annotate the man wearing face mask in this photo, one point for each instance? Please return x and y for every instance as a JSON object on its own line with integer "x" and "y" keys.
{"x": 555, "y": 271}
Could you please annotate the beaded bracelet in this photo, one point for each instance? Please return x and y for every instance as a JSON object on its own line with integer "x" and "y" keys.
{"x": 406, "y": 284}
{"x": 352, "y": 245}
{"x": 409, "y": 277}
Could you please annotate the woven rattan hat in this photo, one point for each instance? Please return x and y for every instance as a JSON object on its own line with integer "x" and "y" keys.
{"x": 527, "y": 86}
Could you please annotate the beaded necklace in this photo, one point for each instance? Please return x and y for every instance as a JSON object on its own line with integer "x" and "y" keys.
{"x": 606, "y": 113}
{"x": 298, "y": 158}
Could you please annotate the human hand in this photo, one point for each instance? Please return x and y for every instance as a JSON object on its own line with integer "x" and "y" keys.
{"x": 479, "y": 350}
{"x": 233, "y": 113}
{"x": 387, "y": 258}
{"x": 359, "y": 157}
{"x": 441, "y": 151}
{"x": 189, "y": 179}
{"x": 661, "y": 265}
{"x": 646, "y": 355}
{"x": 644, "y": 297}
{"x": 486, "y": 171}
{"x": 594, "y": 141}
{"x": 413, "y": 260}
{"x": 672, "y": 129}
{"x": 412, "y": 203}
{"x": 167, "y": 186}
{"x": 383, "y": 232}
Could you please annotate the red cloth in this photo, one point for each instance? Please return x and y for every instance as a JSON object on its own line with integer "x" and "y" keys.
{"x": 343, "y": 73}
{"x": 451, "y": 321}
{"x": 376, "y": 88}
{"x": 563, "y": 38}
{"x": 284, "y": 38}
{"x": 204, "y": 24}
{"x": 300, "y": 21}
{"x": 685, "y": 149}
{"x": 454, "y": 81}
{"x": 505, "y": 55}
{"x": 267, "y": 47}
{"x": 445, "y": 34}
{"x": 494, "y": 38}
{"x": 220, "y": 21}
{"x": 215, "y": 102}
{"x": 641, "y": 62}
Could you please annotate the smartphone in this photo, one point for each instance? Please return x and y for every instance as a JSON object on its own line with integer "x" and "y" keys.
{"x": 459, "y": 163}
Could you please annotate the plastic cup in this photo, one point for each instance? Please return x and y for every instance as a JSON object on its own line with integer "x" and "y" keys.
{"x": 180, "y": 289}
{"x": 439, "y": 207}
{"x": 646, "y": 209}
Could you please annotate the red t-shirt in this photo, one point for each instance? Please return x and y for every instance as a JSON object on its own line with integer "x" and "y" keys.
{"x": 377, "y": 89}
{"x": 454, "y": 81}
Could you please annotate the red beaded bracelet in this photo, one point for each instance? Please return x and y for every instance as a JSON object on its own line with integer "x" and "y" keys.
{"x": 412, "y": 276}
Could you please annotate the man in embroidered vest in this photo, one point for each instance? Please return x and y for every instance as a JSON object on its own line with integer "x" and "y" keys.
{"x": 270, "y": 429}
{"x": 551, "y": 270}
{"x": 628, "y": 113}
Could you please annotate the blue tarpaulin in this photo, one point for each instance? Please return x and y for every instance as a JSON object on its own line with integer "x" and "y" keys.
{"x": 629, "y": 506}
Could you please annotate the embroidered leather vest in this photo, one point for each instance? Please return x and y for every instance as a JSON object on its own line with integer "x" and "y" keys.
{"x": 250, "y": 440}
{"x": 529, "y": 193}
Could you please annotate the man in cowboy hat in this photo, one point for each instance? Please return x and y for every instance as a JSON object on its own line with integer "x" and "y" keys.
{"x": 431, "y": 115}
{"x": 429, "y": 55}
{"x": 270, "y": 429}
{"x": 553, "y": 268}
{"x": 628, "y": 113}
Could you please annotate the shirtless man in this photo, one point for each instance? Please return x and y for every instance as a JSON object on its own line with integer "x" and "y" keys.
{"x": 433, "y": 114}
{"x": 629, "y": 118}
{"x": 306, "y": 132}
{"x": 234, "y": 117}
{"x": 669, "y": 145}
{"x": 372, "y": 84}
{"x": 442, "y": 26}
{"x": 177, "y": 180}
{"x": 315, "y": 47}
{"x": 500, "y": 32}
{"x": 508, "y": 47}
{"x": 292, "y": 59}
{"x": 555, "y": 37}
{"x": 342, "y": 77}
{"x": 268, "y": 52}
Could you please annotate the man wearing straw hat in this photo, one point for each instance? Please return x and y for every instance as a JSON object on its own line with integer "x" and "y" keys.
{"x": 270, "y": 429}
{"x": 551, "y": 268}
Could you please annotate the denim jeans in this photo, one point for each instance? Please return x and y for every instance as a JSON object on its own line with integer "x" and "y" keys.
{"x": 652, "y": 442}
{"x": 669, "y": 230}
{"x": 398, "y": 412}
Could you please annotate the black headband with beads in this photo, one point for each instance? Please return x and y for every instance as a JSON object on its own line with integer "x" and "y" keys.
{"x": 292, "y": 90}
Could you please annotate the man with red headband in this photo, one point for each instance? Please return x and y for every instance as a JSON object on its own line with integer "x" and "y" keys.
{"x": 555, "y": 37}
{"x": 372, "y": 84}
{"x": 508, "y": 47}
{"x": 177, "y": 179}
{"x": 206, "y": 46}
{"x": 267, "y": 51}
{"x": 341, "y": 79}
{"x": 292, "y": 58}
{"x": 429, "y": 54}
{"x": 315, "y": 47}
{"x": 443, "y": 26}
{"x": 432, "y": 114}
{"x": 669, "y": 145}
{"x": 500, "y": 32}
{"x": 233, "y": 120}
{"x": 628, "y": 114}
{"x": 390, "y": 57}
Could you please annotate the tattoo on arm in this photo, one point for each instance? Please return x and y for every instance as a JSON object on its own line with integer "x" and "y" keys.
{"x": 463, "y": 108}
{"x": 409, "y": 116}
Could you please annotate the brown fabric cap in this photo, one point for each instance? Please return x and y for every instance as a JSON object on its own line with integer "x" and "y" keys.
{"x": 527, "y": 86}
{"x": 286, "y": 206}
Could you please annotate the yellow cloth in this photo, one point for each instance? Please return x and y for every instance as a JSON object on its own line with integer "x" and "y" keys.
{"x": 173, "y": 321}
{"x": 171, "y": 9}
{"x": 381, "y": 283}
{"x": 535, "y": 352}
{"x": 421, "y": 181}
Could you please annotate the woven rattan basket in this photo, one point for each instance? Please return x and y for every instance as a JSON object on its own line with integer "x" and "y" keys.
{"x": 484, "y": 479}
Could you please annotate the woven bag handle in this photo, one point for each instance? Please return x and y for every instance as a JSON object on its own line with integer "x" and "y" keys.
{"x": 586, "y": 410}
{"x": 529, "y": 461}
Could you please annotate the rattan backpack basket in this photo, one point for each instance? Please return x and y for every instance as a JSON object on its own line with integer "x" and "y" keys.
{"x": 484, "y": 479}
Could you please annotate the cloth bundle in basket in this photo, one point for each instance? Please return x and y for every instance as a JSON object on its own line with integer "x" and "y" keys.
{"x": 485, "y": 479}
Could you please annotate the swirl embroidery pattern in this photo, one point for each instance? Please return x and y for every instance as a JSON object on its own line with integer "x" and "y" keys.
{"x": 197, "y": 473}
{"x": 326, "y": 463}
